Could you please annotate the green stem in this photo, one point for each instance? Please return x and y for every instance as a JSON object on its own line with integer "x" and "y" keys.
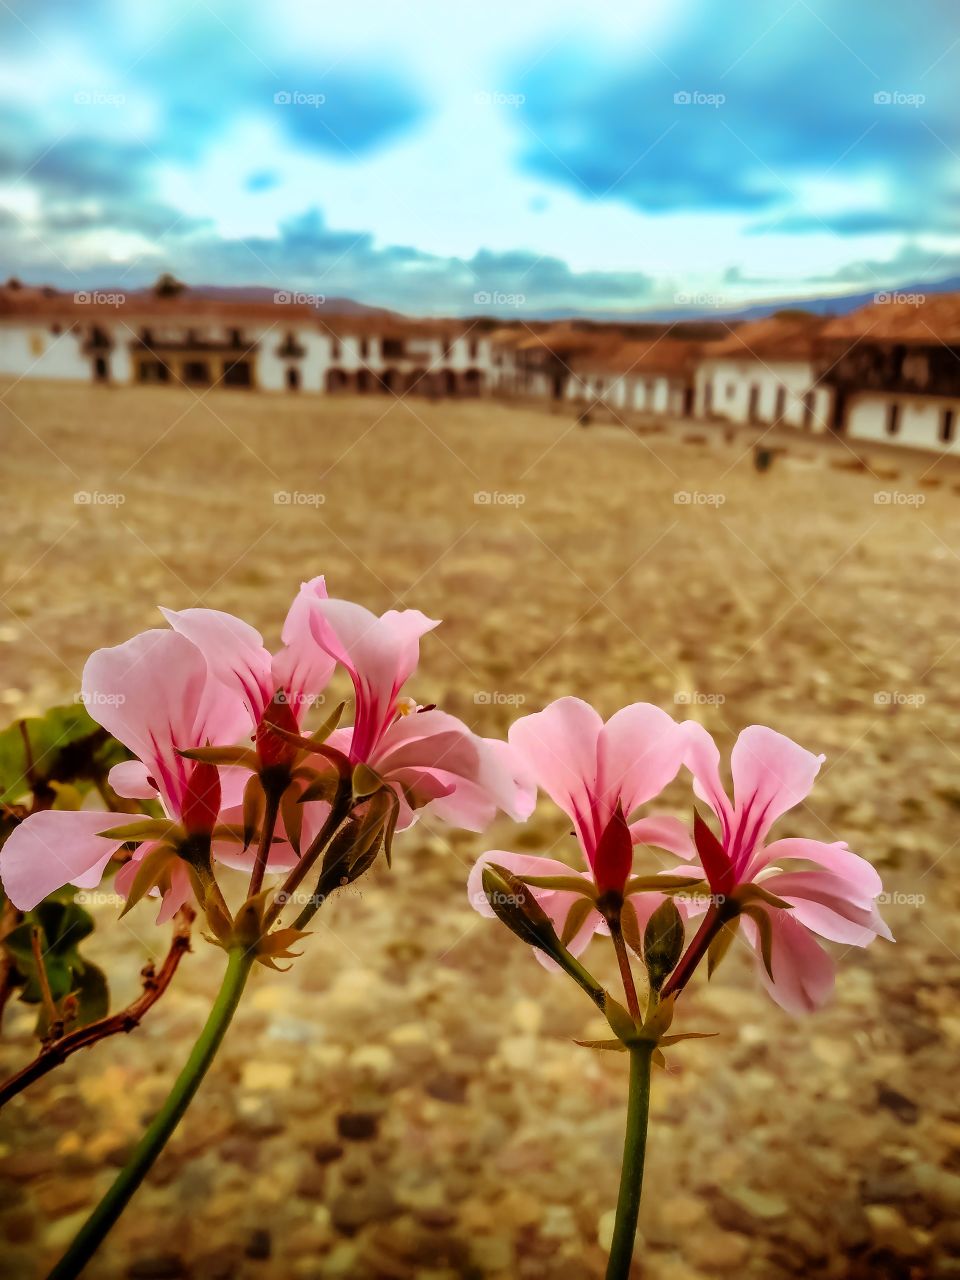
{"x": 631, "y": 1173}
{"x": 93, "y": 1232}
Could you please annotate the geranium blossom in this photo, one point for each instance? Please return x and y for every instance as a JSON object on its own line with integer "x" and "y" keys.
{"x": 155, "y": 694}
{"x": 835, "y": 898}
{"x": 428, "y": 757}
{"x": 287, "y": 682}
{"x": 598, "y": 774}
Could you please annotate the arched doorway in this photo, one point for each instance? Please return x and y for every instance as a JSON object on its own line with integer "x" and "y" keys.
{"x": 293, "y": 379}
{"x": 472, "y": 382}
{"x": 336, "y": 380}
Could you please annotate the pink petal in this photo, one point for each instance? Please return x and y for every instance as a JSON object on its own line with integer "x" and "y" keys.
{"x": 464, "y": 778}
{"x": 131, "y": 778}
{"x": 54, "y": 848}
{"x": 234, "y": 652}
{"x": 558, "y": 747}
{"x": 155, "y": 694}
{"x": 771, "y": 774}
{"x": 302, "y": 668}
{"x": 803, "y": 972}
{"x": 640, "y": 750}
{"x": 379, "y": 653}
{"x": 702, "y": 758}
{"x": 664, "y": 832}
{"x": 862, "y": 879}
{"x": 821, "y": 901}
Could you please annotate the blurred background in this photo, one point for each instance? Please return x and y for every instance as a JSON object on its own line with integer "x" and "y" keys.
{"x": 408, "y": 1101}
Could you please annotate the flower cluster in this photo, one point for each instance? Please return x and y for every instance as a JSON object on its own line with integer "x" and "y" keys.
{"x": 226, "y": 774}
{"x": 183, "y": 700}
{"x": 600, "y": 773}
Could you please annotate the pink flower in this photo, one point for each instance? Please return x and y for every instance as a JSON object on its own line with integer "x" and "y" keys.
{"x": 834, "y": 899}
{"x": 428, "y": 757}
{"x": 286, "y": 682}
{"x": 598, "y": 774}
{"x": 155, "y": 694}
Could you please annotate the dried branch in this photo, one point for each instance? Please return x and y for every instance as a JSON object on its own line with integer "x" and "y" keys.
{"x": 155, "y": 984}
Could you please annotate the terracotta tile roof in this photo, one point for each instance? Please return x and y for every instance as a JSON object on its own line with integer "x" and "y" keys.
{"x": 903, "y": 319}
{"x": 785, "y": 336}
{"x": 653, "y": 355}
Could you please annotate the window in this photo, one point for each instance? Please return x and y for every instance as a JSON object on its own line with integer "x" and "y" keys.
{"x": 364, "y": 348}
{"x": 236, "y": 338}
{"x": 893, "y": 419}
{"x": 335, "y": 349}
{"x": 473, "y": 349}
{"x": 948, "y": 422}
{"x": 808, "y": 409}
{"x": 392, "y": 348}
{"x": 781, "y": 405}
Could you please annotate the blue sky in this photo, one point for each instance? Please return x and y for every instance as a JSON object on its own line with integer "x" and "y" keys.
{"x": 544, "y": 155}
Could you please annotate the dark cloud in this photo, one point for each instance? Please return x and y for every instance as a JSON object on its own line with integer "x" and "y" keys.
{"x": 731, "y": 112}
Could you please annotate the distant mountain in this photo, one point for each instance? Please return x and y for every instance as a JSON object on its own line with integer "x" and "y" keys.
{"x": 265, "y": 293}
{"x": 838, "y": 306}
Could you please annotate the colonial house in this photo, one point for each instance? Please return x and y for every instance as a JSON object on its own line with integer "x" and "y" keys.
{"x": 193, "y": 340}
{"x": 538, "y": 360}
{"x": 647, "y": 375}
{"x": 767, "y": 371}
{"x": 898, "y": 377}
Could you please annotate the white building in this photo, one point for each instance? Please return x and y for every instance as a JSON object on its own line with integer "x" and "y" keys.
{"x": 650, "y": 375}
{"x": 897, "y": 380}
{"x": 190, "y": 340}
{"x": 766, "y": 372}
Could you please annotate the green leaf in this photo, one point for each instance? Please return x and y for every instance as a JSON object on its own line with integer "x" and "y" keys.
{"x": 65, "y": 746}
{"x": 93, "y": 994}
